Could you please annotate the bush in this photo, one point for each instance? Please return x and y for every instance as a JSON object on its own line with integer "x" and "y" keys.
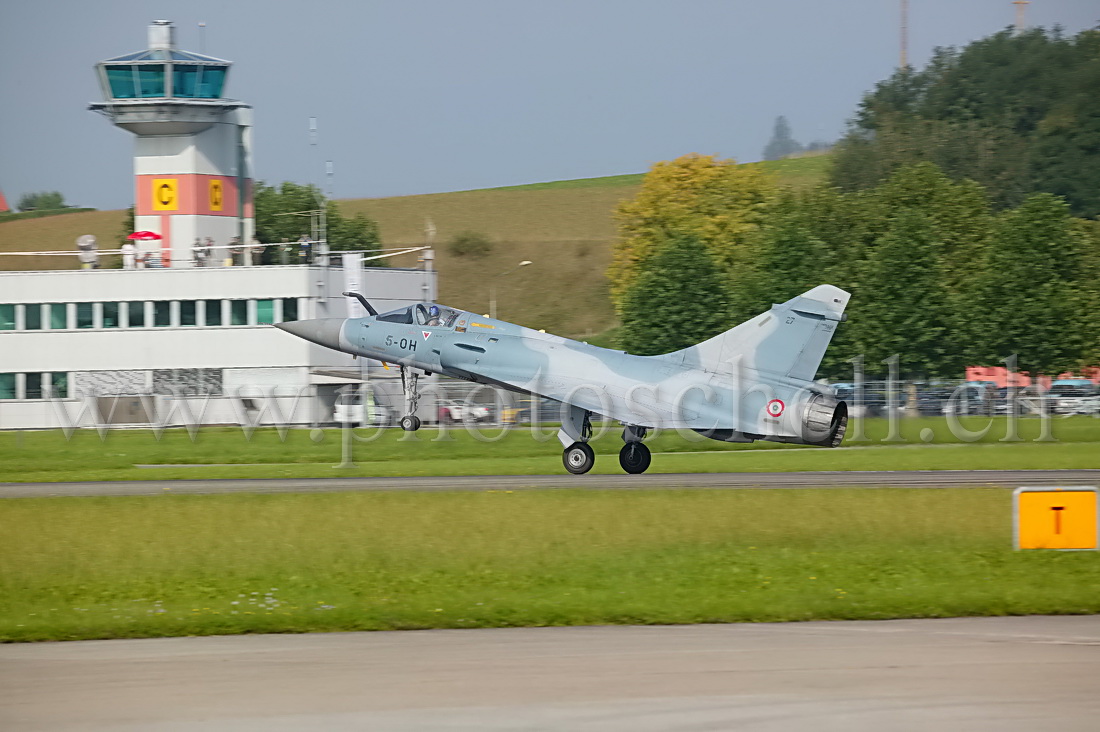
{"x": 470, "y": 244}
{"x": 38, "y": 214}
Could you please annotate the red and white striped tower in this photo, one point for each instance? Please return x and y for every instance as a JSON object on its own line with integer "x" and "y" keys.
{"x": 192, "y": 146}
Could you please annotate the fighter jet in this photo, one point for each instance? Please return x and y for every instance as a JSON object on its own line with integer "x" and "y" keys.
{"x": 753, "y": 382}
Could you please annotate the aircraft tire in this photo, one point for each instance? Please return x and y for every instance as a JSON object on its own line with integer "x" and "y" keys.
{"x": 635, "y": 458}
{"x": 410, "y": 423}
{"x": 578, "y": 458}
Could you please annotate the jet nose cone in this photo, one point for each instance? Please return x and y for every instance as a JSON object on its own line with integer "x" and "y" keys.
{"x": 322, "y": 331}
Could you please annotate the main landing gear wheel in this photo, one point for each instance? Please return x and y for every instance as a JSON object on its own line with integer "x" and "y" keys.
{"x": 634, "y": 457}
{"x": 410, "y": 423}
{"x": 578, "y": 458}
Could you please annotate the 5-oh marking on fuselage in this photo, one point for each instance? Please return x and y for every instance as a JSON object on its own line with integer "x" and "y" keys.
{"x": 409, "y": 344}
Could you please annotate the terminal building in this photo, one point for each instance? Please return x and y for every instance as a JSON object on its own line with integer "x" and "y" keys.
{"x": 178, "y": 344}
{"x": 185, "y": 345}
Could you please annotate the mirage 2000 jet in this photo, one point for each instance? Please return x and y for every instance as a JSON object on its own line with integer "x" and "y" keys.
{"x": 753, "y": 382}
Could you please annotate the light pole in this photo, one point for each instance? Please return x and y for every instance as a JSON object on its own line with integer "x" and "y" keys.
{"x": 493, "y": 287}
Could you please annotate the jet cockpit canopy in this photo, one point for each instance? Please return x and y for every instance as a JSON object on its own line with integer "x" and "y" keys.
{"x": 422, "y": 313}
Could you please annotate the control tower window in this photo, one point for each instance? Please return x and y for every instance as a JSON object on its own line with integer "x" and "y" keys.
{"x": 197, "y": 82}
{"x": 130, "y": 81}
{"x": 121, "y": 79}
{"x": 150, "y": 80}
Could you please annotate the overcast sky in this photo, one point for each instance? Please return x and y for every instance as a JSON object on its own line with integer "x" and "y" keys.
{"x": 422, "y": 96}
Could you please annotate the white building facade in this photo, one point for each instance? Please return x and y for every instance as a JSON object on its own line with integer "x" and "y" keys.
{"x": 178, "y": 346}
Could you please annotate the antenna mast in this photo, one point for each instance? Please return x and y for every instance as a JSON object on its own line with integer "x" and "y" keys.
{"x": 319, "y": 220}
{"x": 1021, "y": 6}
{"x": 903, "y": 61}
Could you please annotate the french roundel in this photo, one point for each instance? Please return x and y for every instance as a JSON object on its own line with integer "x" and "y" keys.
{"x": 775, "y": 407}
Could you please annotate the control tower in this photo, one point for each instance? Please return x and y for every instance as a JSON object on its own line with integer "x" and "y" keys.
{"x": 192, "y": 146}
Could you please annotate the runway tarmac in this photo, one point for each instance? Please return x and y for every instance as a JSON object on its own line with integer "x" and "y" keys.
{"x": 910, "y": 479}
{"x": 995, "y": 674}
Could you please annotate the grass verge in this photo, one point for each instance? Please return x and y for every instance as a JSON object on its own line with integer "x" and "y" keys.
{"x": 197, "y": 565}
{"x": 228, "y": 453}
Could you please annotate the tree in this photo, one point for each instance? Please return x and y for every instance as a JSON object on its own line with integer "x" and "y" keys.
{"x": 1029, "y": 300}
{"x": 679, "y": 300}
{"x": 1015, "y": 112}
{"x": 284, "y": 213}
{"x": 1088, "y": 234}
{"x": 823, "y": 235}
{"x": 959, "y": 214}
{"x": 716, "y": 202}
{"x": 904, "y": 308}
{"x": 782, "y": 143}
{"x": 358, "y": 233}
{"x": 43, "y": 201}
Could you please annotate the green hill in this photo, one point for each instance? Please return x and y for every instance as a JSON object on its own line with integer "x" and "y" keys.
{"x": 564, "y": 227}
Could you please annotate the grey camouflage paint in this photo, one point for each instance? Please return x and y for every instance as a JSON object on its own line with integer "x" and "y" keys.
{"x": 755, "y": 381}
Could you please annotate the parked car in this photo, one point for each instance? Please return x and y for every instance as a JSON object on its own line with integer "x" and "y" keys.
{"x": 451, "y": 412}
{"x": 973, "y": 397}
{"x": 352, "y": 409}
{"x": 931, "y": 400}
{"x": 1072, "y": 396}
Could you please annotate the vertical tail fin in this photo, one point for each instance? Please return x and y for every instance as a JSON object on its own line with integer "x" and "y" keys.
{"x": 788, "y": 340}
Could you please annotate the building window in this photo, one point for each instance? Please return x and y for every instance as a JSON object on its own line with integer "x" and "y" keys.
{"x": 187, "y": 313}
{"x": 265, "y": 311}
{"x": 60, "y": 383}
{"x": 7, "y": 386}
{"x": 290, "y": 308}
{"x": 85, "y": 315}
{"x": 33, "y": 388}
{"x": 32, "y": 317}
{"x": 162, "y": 313}
{"x": 110, "y": 314}
{"x": 7, "y": 317}
{"x": 238, "y": 312}
{"x": 213, "y": 312}
{"x": 59, "y": 316}
{"x": 136, "y": 313}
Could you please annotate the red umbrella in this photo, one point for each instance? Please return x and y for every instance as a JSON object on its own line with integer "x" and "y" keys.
{"x": 145, "y": 235}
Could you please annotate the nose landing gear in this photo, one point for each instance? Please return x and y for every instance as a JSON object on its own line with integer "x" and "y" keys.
{"x": 410, "y": 422}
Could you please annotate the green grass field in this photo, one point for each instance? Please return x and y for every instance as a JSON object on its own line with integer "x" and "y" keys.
{"x": 166, "y": 565}
{"x": 189, "y": 565}
{"x": 226, "y": 452}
